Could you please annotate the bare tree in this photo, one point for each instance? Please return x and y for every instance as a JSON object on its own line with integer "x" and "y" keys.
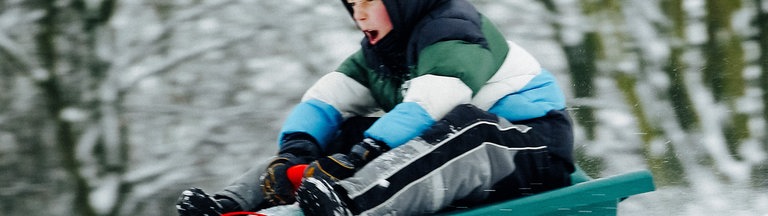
{"x": 82, "y": 76}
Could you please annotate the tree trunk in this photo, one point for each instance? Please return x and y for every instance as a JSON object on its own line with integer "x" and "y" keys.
{"x": 581, "y": 61}
{"x": 724, "y": 69}
{"x": 56, "y": 103}
{"x": 760, "y": 173}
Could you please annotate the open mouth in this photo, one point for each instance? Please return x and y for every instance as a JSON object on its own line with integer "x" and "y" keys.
{"x": 372, "y": 35}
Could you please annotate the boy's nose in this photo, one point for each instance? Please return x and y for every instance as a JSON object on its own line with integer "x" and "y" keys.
{"x": 359, "y": 14}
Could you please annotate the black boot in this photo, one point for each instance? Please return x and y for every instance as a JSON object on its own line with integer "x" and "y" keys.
{"x": 319, "y": 197}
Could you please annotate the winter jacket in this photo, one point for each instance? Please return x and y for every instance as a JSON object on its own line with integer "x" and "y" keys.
{"x": 445, "y": 54}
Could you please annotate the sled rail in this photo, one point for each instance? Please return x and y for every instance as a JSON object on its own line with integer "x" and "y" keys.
{"x": 585, "y": 197}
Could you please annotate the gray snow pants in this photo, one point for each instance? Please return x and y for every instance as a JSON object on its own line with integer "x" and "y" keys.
{"x": 470, "y": 157}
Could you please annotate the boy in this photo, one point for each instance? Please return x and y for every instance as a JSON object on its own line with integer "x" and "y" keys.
{"x": 470, "y": 118}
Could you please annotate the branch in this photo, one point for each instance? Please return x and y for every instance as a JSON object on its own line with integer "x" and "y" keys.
{"x": 178, "y": 59}
{"x": 219, "y": 113}
{"x": 150, "y": 46}
{"x": 170, "y": 166}
{"x": 17, "y": 54}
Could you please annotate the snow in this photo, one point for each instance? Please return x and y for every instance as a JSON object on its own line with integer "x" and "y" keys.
{"x": 752, "y": 152}
{"x": 103, "y": 197}
{"x": 283, "y": 210}
{"x": 738, "y": 201}
{"x": 208, "y": 25}
{"x": 383, "y": 183}
{"x": 73, "y": 114}
{"x": 204, "y": 87}
{"x": 742, "y": 20}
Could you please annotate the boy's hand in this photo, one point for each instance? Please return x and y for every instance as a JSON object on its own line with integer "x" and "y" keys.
{"x": 340, "y": 166}
{"x": 332, "y": 168}
{"x": 297, "y": 149}
{"x": 278, "y": 188}
{"x": 319, "y": 193}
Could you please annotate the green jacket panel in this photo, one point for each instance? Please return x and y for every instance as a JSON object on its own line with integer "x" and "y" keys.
{"x": 472, "y": 63}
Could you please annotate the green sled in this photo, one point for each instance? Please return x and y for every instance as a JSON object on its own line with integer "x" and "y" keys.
{"x": 586, "y": 196}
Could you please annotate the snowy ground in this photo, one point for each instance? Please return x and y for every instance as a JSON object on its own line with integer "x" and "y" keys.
{"x": 283, "y": 210}
{"x": 733, "y": 201}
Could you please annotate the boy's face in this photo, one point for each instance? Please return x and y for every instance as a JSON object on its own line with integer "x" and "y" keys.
{"x": 372, "y": 17}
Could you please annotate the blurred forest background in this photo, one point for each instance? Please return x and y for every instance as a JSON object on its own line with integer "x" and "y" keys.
{"x": 113, "y": 107}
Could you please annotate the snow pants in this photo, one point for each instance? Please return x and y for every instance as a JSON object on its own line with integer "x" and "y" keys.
{"x": 469, "y": 157}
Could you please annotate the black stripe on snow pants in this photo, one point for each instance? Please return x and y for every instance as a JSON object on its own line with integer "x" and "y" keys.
{"x": 467, "y": 158}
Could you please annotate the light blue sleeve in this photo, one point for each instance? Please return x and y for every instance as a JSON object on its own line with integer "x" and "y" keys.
{"x": 314, "y": 117}
{"x": 541, "y": 95}
{"x": 404, "y": 122}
